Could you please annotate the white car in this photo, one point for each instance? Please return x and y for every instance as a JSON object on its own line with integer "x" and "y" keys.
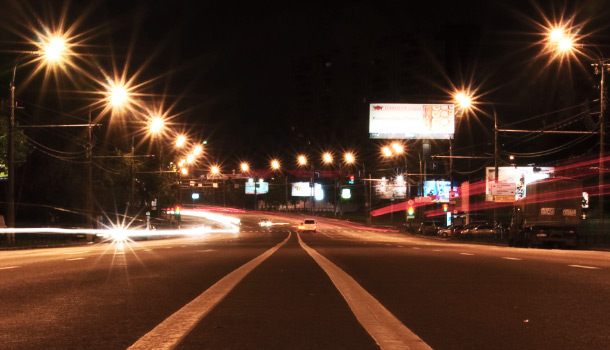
{"x": 308, "y": 225}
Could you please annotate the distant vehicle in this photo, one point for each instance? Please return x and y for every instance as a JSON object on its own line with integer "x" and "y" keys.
{"x": 446, "y": 232}
{"x": 308, "y": 225}
{"x": 549, "y": 214}
{"x": 428, "y": 228}
{"x": 265, "y": 223}
{"x": 478, "y": 230}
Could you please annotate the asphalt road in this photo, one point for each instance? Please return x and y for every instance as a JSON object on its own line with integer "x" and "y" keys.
{"x": 344, "y": 287}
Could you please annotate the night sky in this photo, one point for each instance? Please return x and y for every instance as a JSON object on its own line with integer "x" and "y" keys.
{"x": 228, "y": 70}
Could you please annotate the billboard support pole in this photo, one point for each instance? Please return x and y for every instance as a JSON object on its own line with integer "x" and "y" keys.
{"x": 495, "y": 165}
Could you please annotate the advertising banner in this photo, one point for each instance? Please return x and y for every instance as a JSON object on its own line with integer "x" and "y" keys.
{"x": 439, "y": 190}
{"x": 510, "y": 177}
{"x": 411, "y": 121}
{"x": 259, "y": 187}
{"x": 303, "y": 189}
{"x": 391, "y": 188}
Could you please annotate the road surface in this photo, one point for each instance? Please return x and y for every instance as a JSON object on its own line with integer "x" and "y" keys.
{"x": 343, "y": 287}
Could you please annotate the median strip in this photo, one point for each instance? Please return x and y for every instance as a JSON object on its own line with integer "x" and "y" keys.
{"x": 379, "y": 322}
{"x": 169, "y": 333}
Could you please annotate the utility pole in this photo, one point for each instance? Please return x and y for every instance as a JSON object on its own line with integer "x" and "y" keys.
{"x": 602, "y": 108}
{"x": 10, "y": 217}
{"x": 131, "y": 197}
{"x": 495, "y": 166}
{"x": 89, "y": 199}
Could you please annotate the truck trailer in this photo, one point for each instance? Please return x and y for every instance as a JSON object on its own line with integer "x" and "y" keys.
{"x": 549, "y": 214}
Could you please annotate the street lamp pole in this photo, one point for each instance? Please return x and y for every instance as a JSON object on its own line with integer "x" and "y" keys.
{"x": 11, "y": 159}
{"x": 601, "y": 65}
{"x": 496, "y": 170}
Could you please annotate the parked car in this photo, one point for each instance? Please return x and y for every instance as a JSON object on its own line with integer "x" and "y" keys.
{"x": 428, "y": 228}
{"x": 446, "y": 232}
{"x": 308, "y": 225}
{"x": 478, "y": 230}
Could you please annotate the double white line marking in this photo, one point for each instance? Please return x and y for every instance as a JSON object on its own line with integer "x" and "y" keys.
{"x": 384, "y": 327}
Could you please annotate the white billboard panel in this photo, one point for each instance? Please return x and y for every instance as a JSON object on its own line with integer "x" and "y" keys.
{"x": 303, "y": 189}
{"x": 391, "y": 188}
{"x": 520, "y": 177}
{"x": 411, "y": 121}
{"x": 259, "y": 187}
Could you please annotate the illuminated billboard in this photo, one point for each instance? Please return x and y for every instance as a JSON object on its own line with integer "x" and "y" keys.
{"x": 259, "y": 187}
{"x": 303, "y": 189}
{"x": 440, "y": 190}
{"x": 411, "y": 121}
{"x": 391, "y": 188}
{"x": 512, "y": 181}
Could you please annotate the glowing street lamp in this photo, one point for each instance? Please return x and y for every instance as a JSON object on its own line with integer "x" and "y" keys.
{"x": 245, "y": 167}
{"x": 215, "y": 170}
{"x": 302, "y": 160}
{"x": 198, "y": 150}
{"x": 397, "y": 147}
{"x": 190, "y": 158}
{"x": 327, "y": 157}
{"x": 275, "y": 164}
{"x": 117, "y": 95}
{"x": 156, "y": 125}
{"x": 349, "y": 158}
{"x": 180, "y": 141}
{"x": 184, "y": 171}
{"x": 387, "y": 151}
{"x": 54, "y": 49}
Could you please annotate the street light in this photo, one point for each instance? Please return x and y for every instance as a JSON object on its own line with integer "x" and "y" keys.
{"x": 302, "y": 160}
{"x": 180, "y": 141}
{"x": 245, "y": 167}
{"x": 156, "y": 125}
{"x": 327, "y": 157}
{"x": 349, "y": 158}
{"x": 275, "y": 164}
{"x": 561, "y": 42}
{"x": 386, "y": 151}
{"x": 197, "y": 150}
{"x": 52, "y": 52}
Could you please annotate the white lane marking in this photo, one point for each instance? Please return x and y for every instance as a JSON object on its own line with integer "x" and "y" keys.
{"x": 169, "y": 333}
{"x": 380, "y": 323}
{"x": 585, "y": 267}
{"x": 74, "y": 253}
{"x": 436, "y": 250}
{"x": 509, "y": 258}
{"x": 466, "y": 254}
{"x": 415, "y": 247}
{"x": 9, "y": 267}
{"x": 74, "y": 259}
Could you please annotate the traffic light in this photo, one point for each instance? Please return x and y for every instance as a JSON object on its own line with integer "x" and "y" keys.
{"x": 411, "y": 211}
{"x": 177, "y": 210}
{"x": 351, "y": 179}
{"x": 445, "y": 207}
